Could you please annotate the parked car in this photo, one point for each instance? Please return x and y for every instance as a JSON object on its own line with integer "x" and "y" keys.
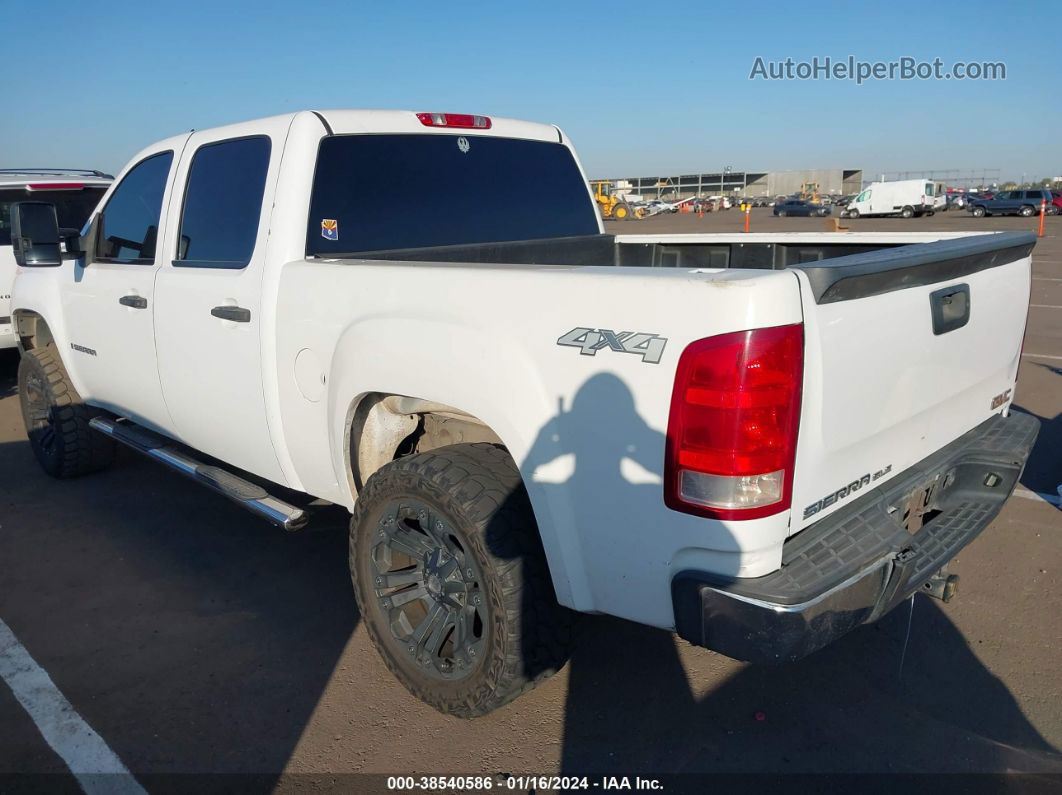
{"x": 236, "y": 307}
{"x": 655, "y": 206}
{"x": 1011, "y": 202}
{"x": 1056, "y": 201}
{"x": 74, "y": 194}
{"x": 800, "y": 207}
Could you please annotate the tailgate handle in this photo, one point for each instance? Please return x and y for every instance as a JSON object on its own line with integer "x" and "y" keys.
{"x": 950, "y": 307}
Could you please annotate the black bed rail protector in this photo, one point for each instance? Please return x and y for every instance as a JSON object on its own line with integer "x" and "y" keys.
{"x": 915, "y": 265}
{"x": 561, "y": 251}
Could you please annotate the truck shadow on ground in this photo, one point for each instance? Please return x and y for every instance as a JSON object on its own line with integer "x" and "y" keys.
{"x": 1043, "y": 471}
{"x": 192, "y": 636}
{"x": 847, "y": 709}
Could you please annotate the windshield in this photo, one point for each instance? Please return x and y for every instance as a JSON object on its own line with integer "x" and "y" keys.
{"x": 71, "y": 207}
{"x": 378, "y": 192}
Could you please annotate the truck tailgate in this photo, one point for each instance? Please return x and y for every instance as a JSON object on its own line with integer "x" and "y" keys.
{"x": 906, "y": 349}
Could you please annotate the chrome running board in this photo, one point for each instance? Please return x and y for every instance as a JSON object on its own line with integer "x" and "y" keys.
{"x": 243, "y": 492}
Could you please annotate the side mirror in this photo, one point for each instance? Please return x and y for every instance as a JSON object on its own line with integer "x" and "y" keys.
{"x": 35, "y": 235}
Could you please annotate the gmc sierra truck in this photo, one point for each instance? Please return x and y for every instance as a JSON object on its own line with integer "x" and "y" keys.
{"x": 760, "y": 441}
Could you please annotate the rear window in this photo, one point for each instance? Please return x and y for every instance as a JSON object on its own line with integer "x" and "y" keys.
{"x": 71, "y": 206}
{"x": 378, "y": 192}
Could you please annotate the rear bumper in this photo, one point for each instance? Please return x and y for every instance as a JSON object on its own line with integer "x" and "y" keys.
{"x": 858, "y": 563}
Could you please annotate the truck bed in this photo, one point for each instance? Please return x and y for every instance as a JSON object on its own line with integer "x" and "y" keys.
{"x": 840, "y": 266}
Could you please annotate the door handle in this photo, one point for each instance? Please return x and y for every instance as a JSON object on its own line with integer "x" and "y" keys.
{"x": 237, "y": 314}
{"x": 134, "y": 301}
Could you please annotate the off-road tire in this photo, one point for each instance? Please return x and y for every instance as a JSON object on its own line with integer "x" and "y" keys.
{"x": 621, "y": 212}
{"x": 478, "y": 489}
{"x": 56, "y": 418}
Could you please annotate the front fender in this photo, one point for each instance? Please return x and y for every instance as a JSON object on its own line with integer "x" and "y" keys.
{"x": 37, "y": 292}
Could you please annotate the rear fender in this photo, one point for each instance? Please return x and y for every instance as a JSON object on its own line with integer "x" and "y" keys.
{"x": 488, "y": 376}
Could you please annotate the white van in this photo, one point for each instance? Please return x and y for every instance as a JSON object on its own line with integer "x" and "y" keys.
{"x": 907, "y": 198}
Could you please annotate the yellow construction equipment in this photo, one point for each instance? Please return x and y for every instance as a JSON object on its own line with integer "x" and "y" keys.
{"x": 809, "y": 191}
{"x": 612, "y": 206}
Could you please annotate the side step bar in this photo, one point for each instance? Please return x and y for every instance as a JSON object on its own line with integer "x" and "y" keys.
{"x": 250, "y": 495}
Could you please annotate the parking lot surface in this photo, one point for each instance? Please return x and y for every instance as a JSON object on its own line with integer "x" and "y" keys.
{"x": 194, "y": 638}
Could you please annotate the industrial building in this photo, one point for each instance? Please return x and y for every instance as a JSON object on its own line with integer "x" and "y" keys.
{"x": 830, "y": 181}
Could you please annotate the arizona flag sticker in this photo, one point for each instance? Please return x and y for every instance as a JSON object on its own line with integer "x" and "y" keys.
{"x": 329, "y": 229}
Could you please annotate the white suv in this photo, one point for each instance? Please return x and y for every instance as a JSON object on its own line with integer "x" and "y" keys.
{"x": 74, "y": 192}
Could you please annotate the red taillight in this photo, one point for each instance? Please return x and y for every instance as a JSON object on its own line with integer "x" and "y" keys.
{"x": 55, "y": 186}
{"x": 732, "y": 433}
{"x": 465, "y": 120}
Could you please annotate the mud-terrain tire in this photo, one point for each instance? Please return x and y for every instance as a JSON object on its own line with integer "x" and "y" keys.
{"x": 57, "y": 420}
{"x": 463, "y": 512}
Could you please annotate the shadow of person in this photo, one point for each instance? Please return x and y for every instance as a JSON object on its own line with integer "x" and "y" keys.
{"x": 603, "y": 447}
{"x": 600, "y": 464}
{"x": 633, "y": 707}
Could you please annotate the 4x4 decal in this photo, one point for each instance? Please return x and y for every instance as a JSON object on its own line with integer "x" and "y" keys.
{"x": 589, "y": 341}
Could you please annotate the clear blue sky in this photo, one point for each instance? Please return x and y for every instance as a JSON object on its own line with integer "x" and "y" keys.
{"x": 642, "y": 88}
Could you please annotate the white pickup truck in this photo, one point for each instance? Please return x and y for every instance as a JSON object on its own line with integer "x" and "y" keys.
{"x": 758, "y": 440}
{"x": 73, "y": 192}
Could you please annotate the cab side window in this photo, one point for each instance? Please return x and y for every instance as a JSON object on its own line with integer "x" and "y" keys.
{"x": 129, "y": 224}
{"x": 223, "y": 204}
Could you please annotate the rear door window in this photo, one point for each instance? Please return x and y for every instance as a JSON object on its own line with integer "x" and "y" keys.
{"x": 379, "y": 192}
{"x": 223, "y": 203}
{"x": 130, "y": 222}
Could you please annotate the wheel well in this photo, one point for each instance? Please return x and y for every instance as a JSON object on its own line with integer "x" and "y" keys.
{"x": 383, "y": 427}
{"x": 32, "y": 329}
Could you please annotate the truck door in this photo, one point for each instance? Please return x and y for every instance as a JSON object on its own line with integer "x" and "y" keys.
{"x": 209, "y": 313}
{"x": 108, "y": 305}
